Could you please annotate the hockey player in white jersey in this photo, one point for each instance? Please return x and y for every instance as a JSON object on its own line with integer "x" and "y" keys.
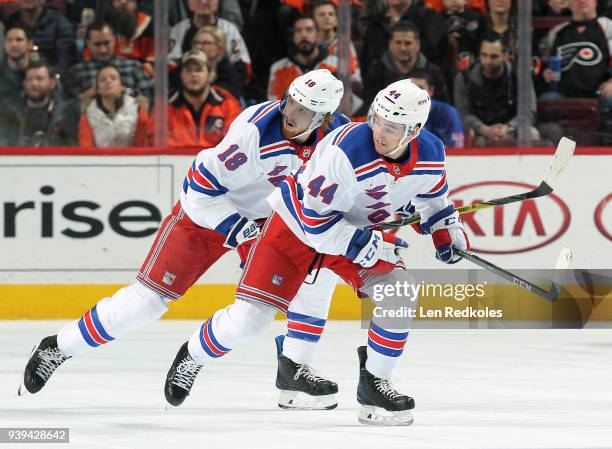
{"x": 326, "y": 215}
{"x": 222, "y": 199}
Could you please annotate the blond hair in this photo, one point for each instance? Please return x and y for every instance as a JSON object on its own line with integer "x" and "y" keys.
{"x": 217, "y": 33}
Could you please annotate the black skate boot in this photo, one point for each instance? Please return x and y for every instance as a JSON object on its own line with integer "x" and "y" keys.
{"x": 44, "y": 360}
{"x": 381, "y": 403}
{"x": 181, "y": 377}
{"x": 301, "y": 386}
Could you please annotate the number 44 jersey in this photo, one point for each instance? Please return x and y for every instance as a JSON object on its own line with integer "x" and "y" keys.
{"x": 233, "y": 179}
{"x": 347, "y": 186}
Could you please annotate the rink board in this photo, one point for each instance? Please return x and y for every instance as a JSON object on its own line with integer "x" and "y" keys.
{"x": 75, "y": 225}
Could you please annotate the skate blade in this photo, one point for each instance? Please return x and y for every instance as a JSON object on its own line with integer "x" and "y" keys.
{"x": 377, "y": 416}
{"x": 298, "y": 400}
{"x": 22, "y": 390}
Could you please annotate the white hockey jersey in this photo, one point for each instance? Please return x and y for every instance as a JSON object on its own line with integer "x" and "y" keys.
{"x": 233, "y": 179}
{"x": 347, "y": 186}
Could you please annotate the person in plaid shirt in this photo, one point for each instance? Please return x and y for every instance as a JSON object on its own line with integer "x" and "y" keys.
{"x": 100, "y": 39}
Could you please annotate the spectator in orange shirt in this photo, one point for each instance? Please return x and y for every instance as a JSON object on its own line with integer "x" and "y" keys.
{"x": 199, "y": 114}
{"x": 113, "y": 118}
{"x": 305, "y": 55}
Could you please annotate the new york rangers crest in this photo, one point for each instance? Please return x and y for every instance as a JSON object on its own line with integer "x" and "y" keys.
{"x": 277, "y": 280}
{"x": 168, "y": 278}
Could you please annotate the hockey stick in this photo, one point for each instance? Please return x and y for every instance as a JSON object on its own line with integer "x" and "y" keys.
{"x": 552, "y": 294}
{"x": 564, "y": 152}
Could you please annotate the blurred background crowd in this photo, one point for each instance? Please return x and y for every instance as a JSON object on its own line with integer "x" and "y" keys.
{"x": 91, "y": 73}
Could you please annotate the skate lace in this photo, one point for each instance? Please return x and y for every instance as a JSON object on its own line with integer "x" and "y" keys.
{"x": 50, "y": 359}
{"x": 186, "y": 373}
{"x": 308, "y": 373}
{"x": 386, "y": 388}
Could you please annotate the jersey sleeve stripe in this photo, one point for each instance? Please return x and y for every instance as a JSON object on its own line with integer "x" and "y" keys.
{"x": 342, "y": 134}
{"x": 261, "y": 113}
{"x": 269, "y": 155}
{"x": 310, "y": 224}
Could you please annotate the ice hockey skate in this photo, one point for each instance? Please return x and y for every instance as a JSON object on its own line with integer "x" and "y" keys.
{"x": 301, "y": 387}
{"x": 381, "y": 403}
{"x": 44, "y": 360}
{"x": 181, "y": 376}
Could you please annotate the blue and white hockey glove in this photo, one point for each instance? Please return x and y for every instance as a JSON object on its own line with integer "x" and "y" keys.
{"x": 244, "y": 230}
{"x": 446, "y": 231}
{"x": 376, "y": 249}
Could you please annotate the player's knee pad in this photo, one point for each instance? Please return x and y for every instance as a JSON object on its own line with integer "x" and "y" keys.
{"x": 131, "y": 307}
{"x": 242, "y": 321}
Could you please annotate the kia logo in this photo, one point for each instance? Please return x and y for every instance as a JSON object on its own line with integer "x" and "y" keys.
{"x": 513, "y": 228}
{"x": 599, "y": 212}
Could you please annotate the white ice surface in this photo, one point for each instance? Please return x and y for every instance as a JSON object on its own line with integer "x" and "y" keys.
{"x": 473, "y": 389}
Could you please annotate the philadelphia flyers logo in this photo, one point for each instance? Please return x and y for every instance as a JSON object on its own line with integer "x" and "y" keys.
{"x": 582, "y": 53}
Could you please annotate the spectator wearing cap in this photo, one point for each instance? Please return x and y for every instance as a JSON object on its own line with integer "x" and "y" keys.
{"x": 17, "y": 46}
{"x": 486, "y": 94}
{"x": 402, "y": 57}
{"x": 40, "y": 118}
{"x": 305, "y": 54}
{"x": 51, "y": 33}
{"x": 134, "y": 29}
{"x": 100, "y": 40}
{"x": 205, "y": 12}
{"x": 199, "y": 114}
{"x": 113, "y": 118}
{"x": 444, "y": 120}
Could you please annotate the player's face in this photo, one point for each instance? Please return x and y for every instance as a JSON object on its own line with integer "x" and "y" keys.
{"x": 387, "y": 135}
{"x": 296, "y": 118}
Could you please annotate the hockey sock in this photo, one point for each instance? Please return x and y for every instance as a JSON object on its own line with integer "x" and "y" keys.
{"x": 129, "y": 308}
{"x": 303, "y": 334}
{"x": 227, "y": 328}
{"x": 384, "y": 348}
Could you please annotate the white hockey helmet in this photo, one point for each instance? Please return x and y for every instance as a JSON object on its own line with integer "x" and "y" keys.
{"x": 403, "y": 103}
{"x": 318, "y": 91}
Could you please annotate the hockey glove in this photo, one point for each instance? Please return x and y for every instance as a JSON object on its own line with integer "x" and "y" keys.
{"x": 446, "y": 231}
{"x": 377, "y": 251}
{"x": 241, "y": 236}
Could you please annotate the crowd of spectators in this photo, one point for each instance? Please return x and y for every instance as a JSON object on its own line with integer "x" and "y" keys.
{"x": 82, "y": 72}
